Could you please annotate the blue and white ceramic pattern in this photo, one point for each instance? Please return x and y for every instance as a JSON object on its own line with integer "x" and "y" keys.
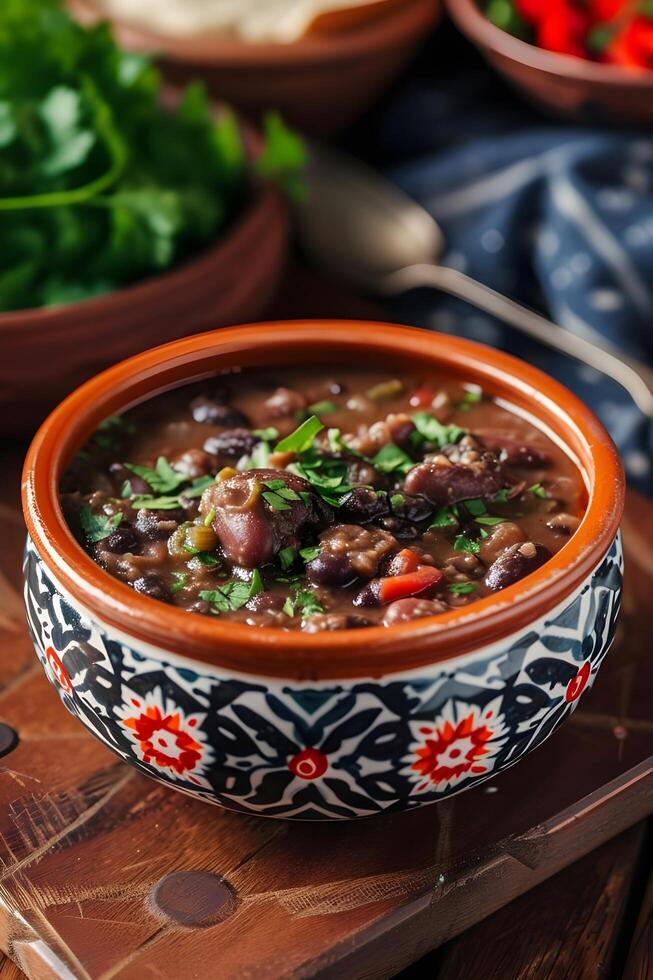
{"x": 330, "y": 750}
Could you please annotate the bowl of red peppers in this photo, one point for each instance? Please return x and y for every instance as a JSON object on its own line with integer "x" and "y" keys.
{"x": 588, "y": 59}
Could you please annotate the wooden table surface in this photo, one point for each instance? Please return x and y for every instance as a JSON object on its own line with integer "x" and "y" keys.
{"x": 85, "y": 842}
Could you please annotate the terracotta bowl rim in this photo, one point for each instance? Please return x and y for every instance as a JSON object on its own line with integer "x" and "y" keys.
{"x": 264, "y": 198}
{"x": 366, "y": 652}
{"x": 472, "y": 22}
{"x": 367, "y": 37}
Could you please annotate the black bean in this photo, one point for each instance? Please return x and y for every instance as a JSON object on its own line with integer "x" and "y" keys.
{"x": 411, "y": 507}
{"x": 213, "y": 412}
{"x": 233, "y": 443}
{"x": 368, "y": 595}
{"x": 398, "y": 526}
{"x": 266, "y": 601}
{"x": 323, "y": 622}
{"x": 124, "y": 539}
{"x": 151, "y": 584}
{"x": 363, "y": 505}
{"x": 328, "y": 569}
{"x": 158, "y": 524}
{"x": 516, "y": 562}
{"x": 401, "y": 435}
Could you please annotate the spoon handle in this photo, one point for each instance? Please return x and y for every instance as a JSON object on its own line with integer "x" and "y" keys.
{"x": 636, "y": 378}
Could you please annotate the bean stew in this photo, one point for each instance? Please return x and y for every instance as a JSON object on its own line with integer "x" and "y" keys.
{"x": 322, "y": 499}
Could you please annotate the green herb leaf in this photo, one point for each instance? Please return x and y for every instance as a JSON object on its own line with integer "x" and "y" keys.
{"x": 490, "y": 521}
{"x": 180, "y": 580}
{"x": 538, "y": 490}
{"x": 266, "y": 435}
{"x": 96, "y": 527}
{"x": 284, "y": 157}
{"x": 391, "y": 459}
{"x": 475, "y": 506}
{"x": 256, "y": 583}
{"x": 430, "y": 429}
{"x": 302, "y": 438}
{"x": 286, "y": 558}
{"x": 206, "y": 558}
{"x": 304, "y": 601}
{"x": 444, "y": 517}
{"x": 308, "y": 554}
{"x": 146, "y": 502}
{"x": 463, "y": 588}
{"x": 228, "y": 597}
{"x": 163, "y": 479}
{"x": 465, "y": 544}
{"x": 501, "y": 496}
{"x": 398, "y": 502}
{"x": 274, "y": 501}
{"x": 323, "y": 408}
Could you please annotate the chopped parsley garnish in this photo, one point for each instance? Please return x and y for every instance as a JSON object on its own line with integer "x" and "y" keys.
{"x": 463, "y": 588}
{"x": 444, "y": 517}
{"x": 391, "y": 459}
{"x": 475, "y": 507}
{"x": 308, "y": 554}
{"x": 154, "y": 503}
{"x": 303, "y": 601}
{"x": 501, "y": 496}
{"x": 258, "y": 459}
{"x": 278, "y": 494}
{"x": 233, "y": 595}
{"x": 302, "y": 438}
{"x": 323, "y": 408}
{"x": 180, "y": 580}
{"x": 469, "y": 399}
{"x": 266, "y": 435}
{"x": 398, "y": 502}
{"x": 538, "y": 490}
{"x": 96, "y": 527}
{"x": 206, "y": 558}
{"x": 465, "y": 544}
{"x": 163, "y": 479}
{"x": 429, "y": 429}
{"x": 286, "y": 558}
{"x": 210, "y": 517}
{"x": 490, "y": 521}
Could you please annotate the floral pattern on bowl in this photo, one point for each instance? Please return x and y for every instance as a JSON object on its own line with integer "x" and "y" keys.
{"x": 331, "y": 749}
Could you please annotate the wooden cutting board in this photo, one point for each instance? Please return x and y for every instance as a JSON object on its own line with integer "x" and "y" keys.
{"x": 106, "y": 874}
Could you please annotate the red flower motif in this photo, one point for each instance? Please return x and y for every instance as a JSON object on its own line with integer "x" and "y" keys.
{"x": 59, "y": 671}
{"x": 309, "y": 764}
{"x": 163, "y": 736}
{"x": 578, "y": 683}
{"x": 463, "y": 742}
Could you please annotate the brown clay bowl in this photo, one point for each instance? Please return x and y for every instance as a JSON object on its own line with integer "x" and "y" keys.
{"x": 323, "y": 725}
{"x": 49, "y": 351}
{"x": 566, "y": 85}
{"x": 320, "y": 83}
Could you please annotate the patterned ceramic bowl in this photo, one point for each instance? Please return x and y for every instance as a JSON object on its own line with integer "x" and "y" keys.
{"x": 328, "y": 725}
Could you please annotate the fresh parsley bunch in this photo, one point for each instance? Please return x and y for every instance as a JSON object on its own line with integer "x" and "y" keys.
{"x": 100, "y": 185}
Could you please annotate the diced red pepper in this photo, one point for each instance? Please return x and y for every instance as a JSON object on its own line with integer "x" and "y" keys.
{"x": 402, "y": 586}
{"x": 563, "y": 29}
{"x": 633, "y": 45}
{"x": 422, "y": 397}
{"x": 404, "y": 561}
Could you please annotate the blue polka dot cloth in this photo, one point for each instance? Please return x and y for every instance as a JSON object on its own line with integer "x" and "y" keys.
{"x": 556, "y": 216}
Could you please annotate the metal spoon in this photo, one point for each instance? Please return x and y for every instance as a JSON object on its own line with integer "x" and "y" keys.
{"x": 365, "y": 229}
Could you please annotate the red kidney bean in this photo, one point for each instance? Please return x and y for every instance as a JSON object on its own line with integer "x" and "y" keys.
{"x": 515, "y": 563}
{"x": 443, "y": 484}
{"x": 250, "y": 529}
{"x": 404, "y": 610}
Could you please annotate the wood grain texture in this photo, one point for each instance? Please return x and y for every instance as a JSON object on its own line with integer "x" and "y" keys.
{"x": 568, "y": 927}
